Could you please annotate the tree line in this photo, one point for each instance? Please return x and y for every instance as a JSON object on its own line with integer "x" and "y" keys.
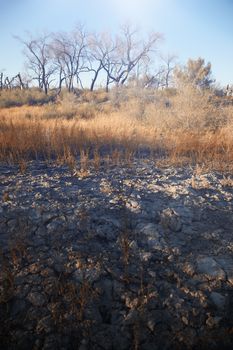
{"x": 64, "y": 59}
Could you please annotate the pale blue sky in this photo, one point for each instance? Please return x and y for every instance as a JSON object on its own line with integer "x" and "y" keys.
{"x": 191, "y": 28}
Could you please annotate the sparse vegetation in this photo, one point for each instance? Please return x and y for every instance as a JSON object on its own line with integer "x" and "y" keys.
{"x": 186, "y": 125}
{"x": 30, "y": 97}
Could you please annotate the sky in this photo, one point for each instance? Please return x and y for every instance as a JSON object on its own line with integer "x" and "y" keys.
{"x": 191, "y": 28}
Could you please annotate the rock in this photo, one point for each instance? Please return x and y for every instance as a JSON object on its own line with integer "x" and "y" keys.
{"x": 44, "y": 325}
{"x": 132, "y": 203}
{"x": 103, "y": 338}
{"x": 24, "y": 340}
{"x": 18, "y": 307}
{"x": 146, "y": 256}
{"x": 218, "y": 299}
{"x": 189, "y": 268}
{"x": 55, "y": 226}
{"x": 213, "y": 321}
{"x": 208, "y": 267}
{"x": 36, "y": 299}
{"x": 176, "y": 251}
{"x": 151, "y": 210}
{"x": 133, "y": 246}
{"x": 34, "y": 279}
{"x": 151, "y": 324}
{"x": 12, "y": 223}
{"x": 58, "y": 262}
{"x": 50, "y": 342}
{"x": 150, "y": 231}
{"x": 159, "y": 316}
{"x": 132, "y": 317}
{"x": 105, "y": 228}
{"x": 117, "y": 288}
{"x": 93, "y": 314}
{"x": 169, "y": 218}
{"x": 186, "y": 214}
{"x": 185, "y": 320}
{"x": 226, "y": 263}
{"x": 48, "y": 216}
{"x": 34, "y": 268}
{"x": 35, "y": 214}
{"x": 152, "y": 236}
{"x": 84, "y": 345}
{"x": 89, "y": 274}
{"x": 47, "y": 272}
{"x": 188, "y": 230}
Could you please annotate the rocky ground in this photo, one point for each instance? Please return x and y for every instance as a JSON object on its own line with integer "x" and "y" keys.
{"x": 123, "y": 257}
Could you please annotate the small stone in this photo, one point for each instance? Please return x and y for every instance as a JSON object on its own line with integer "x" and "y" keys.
{"x": 152, "y": 236}
{"x": 212, "y": 322}
{"x": 18, "y": 307}
{"x": 36, "y": 299}
{"x": 34, "y": 268}
{"x": 44, "y": 325}
{"x": 54, "y": 226}
{"x": 218, "y": 299}
{"x": 185, "y": 320}
{"x": 133, "y": 204}
{"x": 47, "y": 272}
{"x": 176, "y": 251}
{"x": 208, "y": 267}
{"x": 35, "y": 214}
{"x": 132, "y": 317}
{"x": 83, "y": 347}
{"x": 151, "y": 324}
{"x": 146, "y": 256}
{"x": 188, "y": 268}
{"x": 152, "y": 273}
{"x": 133, "y": 245}
{"x": 227, "y": 265}
{"x": 150, "y": 230}
{"x": 171, "y": 219}
{"x": 50, "y": 342}
{"x": 48, "y": 216}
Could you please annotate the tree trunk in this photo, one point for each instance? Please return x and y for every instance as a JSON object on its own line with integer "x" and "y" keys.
{"x": 95, "y": 77}
{"x": 21, "y": 84}
{"x": 93, "y": 82}
{"x": 1, "y": 81}
{"x": 107, "y": 84}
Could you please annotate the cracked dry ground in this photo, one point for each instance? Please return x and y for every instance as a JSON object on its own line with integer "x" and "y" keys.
{"x": 128, "y": 257}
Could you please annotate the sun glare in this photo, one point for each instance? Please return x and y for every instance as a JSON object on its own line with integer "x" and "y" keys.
{"x": 132, "y": 9}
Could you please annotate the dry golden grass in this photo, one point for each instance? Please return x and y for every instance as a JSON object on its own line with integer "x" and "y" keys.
{"x": 184, "y": 127}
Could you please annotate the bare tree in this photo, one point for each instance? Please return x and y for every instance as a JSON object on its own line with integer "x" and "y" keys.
{"x": 14, "y": 82}
{"x": 38, "y": 54}
{"x": 64, "y": 56}
{"x": 100, "y": 46}
{"x": 69, "y": 53}
{"x": 20, "y": 80}
{"x": 8, "y": 82}
{"x": 154, "y": 80}
{"x": 167, "y": 68}
{"x": 1, "y": 81}
{"x": 129, "y": 52}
